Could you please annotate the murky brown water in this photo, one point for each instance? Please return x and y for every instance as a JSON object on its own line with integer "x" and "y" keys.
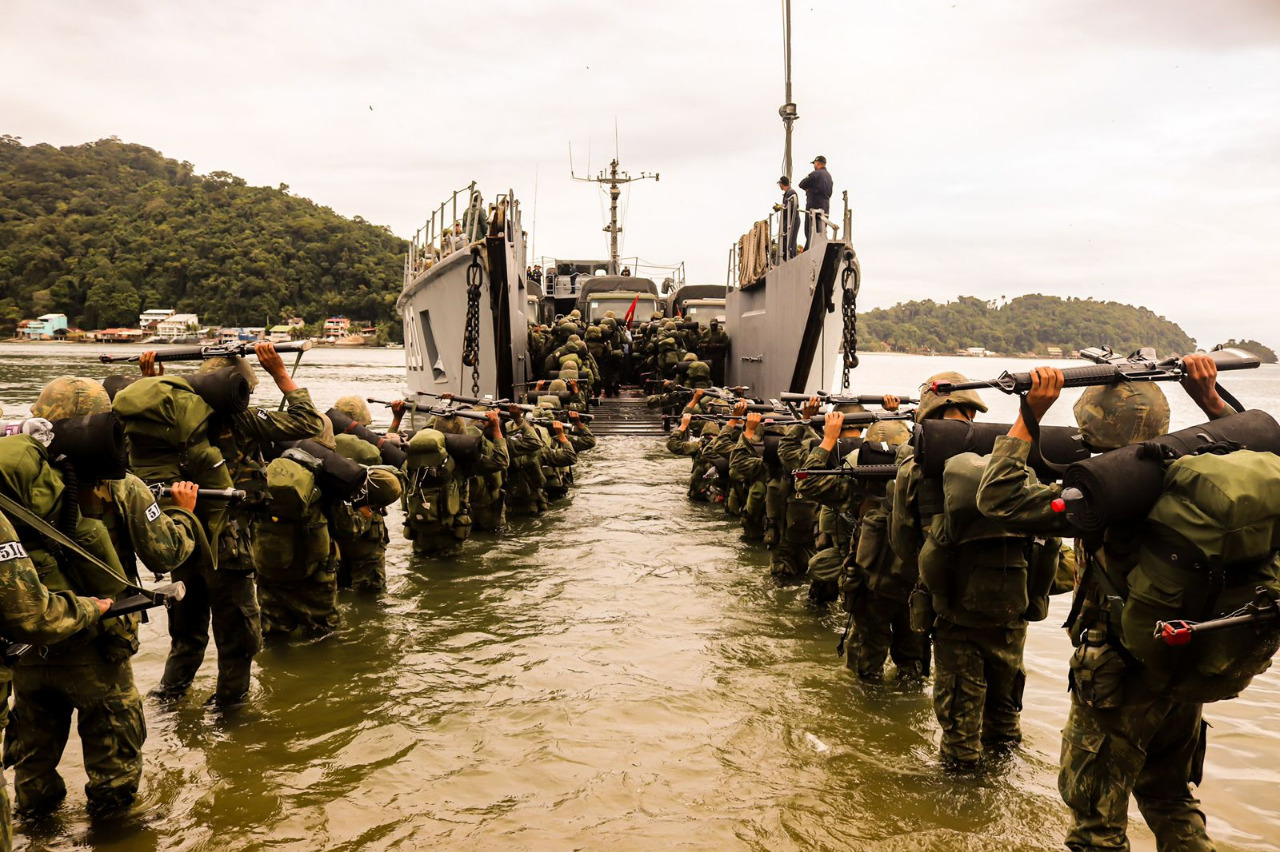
{"x": 617, "y": 673}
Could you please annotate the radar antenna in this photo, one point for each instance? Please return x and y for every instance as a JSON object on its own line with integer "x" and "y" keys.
{"x": 615, "y": 178}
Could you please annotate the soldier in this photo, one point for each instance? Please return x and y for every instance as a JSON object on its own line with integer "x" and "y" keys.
{"x": 1144, "y": 742}
{"x": 714, "y": 348}
{"x": 360, "y": 533}
{"x": 33, "y": 614}
{"x": 875, "y": 588}
{"x": 533, "y": 450}
{"x": 226, "y": 596}
{"x": 703, "y": 486}
{"x": 486, "y": 489}
{"x": 842, "y": 500}
{"x": 787, "y": 517}
{"x": 972, "y": 665}
{"x": 296, "y": 557}
{"x": 435, "y": 518}
{"x": 90, "y": 674}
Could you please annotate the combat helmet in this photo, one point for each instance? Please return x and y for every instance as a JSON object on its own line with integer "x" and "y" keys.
{"x": 548, "y": 400}
{"x": 71, "y": 396}
{"x": 447, "y": 424}
{"x": 575, "y": 314}
{"x": 610, "y": 315}
{"x": 849, "y": 408}
{"x": 698, "y": 374}
{"x": 325, "y": 438}
{"x": 933, "y": 405}
{"x": 1115, "y": 416}
{"x": 572, "y": 358}
{"x": 212, "y": 365}
{"x": 558, "y": 387}
{"x": 593, "y": 333}
{"x": 895, "y": 433}
{"x": 355, "y": 408}
{"x": 427, "y": 449}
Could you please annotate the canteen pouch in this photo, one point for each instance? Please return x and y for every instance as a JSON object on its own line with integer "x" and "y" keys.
{"x": 920, "y": 612}
{"x": 1097, "y": 672}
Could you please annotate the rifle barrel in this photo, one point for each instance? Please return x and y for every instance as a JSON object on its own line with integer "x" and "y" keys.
{"x": 200, "y": 353}
{"x": 858, "y": 471}
{"x": 1110, "y": 373}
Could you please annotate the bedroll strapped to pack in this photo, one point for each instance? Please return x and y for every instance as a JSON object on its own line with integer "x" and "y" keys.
{"x": 388, "y": 451}
{"x": 937, "y": 441}
{"x": 974, "y": 568}
{"x": 94, "y": 445}
{"x": 1121, "y": 486}
{"x": 1209, "y": 543}
{"x": 338, "y": 477}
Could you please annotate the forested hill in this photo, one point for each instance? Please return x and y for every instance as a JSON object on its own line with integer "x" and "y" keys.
{"x": 1027, "y": 324}
{"x": 105, "y": 230}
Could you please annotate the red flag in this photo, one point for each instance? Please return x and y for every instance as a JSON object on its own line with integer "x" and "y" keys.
{"x": 631, "y": 312}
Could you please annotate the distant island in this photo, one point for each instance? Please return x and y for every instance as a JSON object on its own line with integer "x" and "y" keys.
{"x": 1027, "y": 325}
{"x": 1266, "y": 353}
{"x": 106, "y": 231}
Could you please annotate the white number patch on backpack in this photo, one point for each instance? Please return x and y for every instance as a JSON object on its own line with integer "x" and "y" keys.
{"x": 12, "y": 550}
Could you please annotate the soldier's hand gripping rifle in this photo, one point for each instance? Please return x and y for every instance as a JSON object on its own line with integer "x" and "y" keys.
{"x": 140, "y": 600}
{"x": 1109, "y": 369}
{"x": 201, "y": 353}
{"x": 1261, "y": 610}
{"x": 487, "y": 401}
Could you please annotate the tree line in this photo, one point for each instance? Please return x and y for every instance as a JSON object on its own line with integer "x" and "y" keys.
{"x": 1024, "y": 325}
{"x": 105, "y": 230}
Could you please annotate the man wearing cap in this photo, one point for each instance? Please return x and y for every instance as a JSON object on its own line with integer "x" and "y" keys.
{"x": 817, "y": 196}
{"x": 788, "y": 226}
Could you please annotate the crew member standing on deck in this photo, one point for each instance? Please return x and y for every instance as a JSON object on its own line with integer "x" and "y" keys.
{"x": 817, "y": 197}
{"x": 788, "y": 224}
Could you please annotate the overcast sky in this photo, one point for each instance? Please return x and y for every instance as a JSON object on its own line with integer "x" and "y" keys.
{"x": 1121, "y": 149}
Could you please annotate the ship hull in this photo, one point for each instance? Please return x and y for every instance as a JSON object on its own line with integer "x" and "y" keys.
{"x": 433, "y": 307}
{"x": 785, "y": 328}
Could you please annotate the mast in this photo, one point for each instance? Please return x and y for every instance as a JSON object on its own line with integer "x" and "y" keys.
{"x": 788, "y": 109}
{"x": 615, "y": 178}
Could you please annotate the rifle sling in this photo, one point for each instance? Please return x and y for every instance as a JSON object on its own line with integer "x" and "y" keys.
{"x": 40, "y": 525}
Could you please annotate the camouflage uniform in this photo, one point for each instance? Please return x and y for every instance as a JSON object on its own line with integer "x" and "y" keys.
{"x": 224, "y": 596}
{"x": 434, "y": 500}
{"x": 702, "y": 479}
{"x": 1149, "y": 745}
{"x": 749, "y": 477}
{"x": 360, "y": 534}
{"x": 532, "y": 453}
{"x": 32, "y": 614}
{"x": 89, "y": 675}
{"x": 714, "y": 348}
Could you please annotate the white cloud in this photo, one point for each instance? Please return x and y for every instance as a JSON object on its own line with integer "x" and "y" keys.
{"x": 1122, "y": 151}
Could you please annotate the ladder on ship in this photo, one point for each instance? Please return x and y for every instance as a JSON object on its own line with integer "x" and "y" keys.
{"x": 626, "y": 416}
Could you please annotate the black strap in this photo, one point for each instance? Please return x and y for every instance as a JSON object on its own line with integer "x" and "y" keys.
{"x": 40, "y": 525}
{"x": 1229, "y": 399}
{"x": 1032, "y": 423}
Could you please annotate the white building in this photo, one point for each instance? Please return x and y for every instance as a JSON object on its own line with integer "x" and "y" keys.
{"x": 176, "y": 325}
{"x": 148, "y": 320}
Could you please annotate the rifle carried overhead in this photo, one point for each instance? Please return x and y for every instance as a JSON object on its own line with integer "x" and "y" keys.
{"x": 201, "y": 353}
{"x": 1109, "y": 369}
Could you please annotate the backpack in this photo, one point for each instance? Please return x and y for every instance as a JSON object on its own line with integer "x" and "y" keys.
{"x": 974, "y": 568}
{"x": 167, "y": 424}
{"x": 1208, "y": 545}
{"x": 292, "y": 489}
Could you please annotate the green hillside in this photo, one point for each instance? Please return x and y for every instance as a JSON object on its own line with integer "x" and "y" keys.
{"x": 1026, "y": 324}
{"x": 105, "y": 230}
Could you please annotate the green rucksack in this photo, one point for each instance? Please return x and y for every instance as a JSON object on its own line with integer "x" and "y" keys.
{"x": 167, "y": 423}
{"x": 358, "y": 450}
{"x": 292, "y": 490}
{"x": 1209, "y": 543}
{"x": 974, "y": 568}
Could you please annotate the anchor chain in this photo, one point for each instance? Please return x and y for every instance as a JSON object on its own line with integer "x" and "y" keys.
{"x": 849, "y": 312}
{"x": 471, "y": 334}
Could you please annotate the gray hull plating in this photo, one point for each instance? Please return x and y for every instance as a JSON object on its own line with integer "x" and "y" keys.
{"x": 433, "y": 306}
{"x": 782, "y": 335}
